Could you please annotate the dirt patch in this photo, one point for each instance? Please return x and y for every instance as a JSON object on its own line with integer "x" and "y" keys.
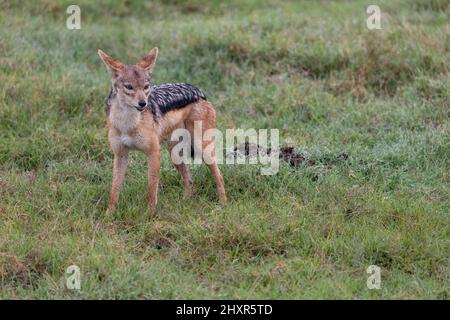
{"x": 294, "y": 159}
{"x": 290, "y": 156}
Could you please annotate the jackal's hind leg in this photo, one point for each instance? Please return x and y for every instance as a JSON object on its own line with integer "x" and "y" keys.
{"x": 205, "y": 113}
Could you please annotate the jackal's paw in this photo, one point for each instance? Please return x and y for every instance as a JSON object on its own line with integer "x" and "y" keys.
{"x": 153, "y": 213}
{"x": 187, "y": 194}
{"x": 223, "y": 201}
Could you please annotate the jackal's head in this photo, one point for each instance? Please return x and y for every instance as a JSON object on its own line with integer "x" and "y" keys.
{"x": 131, "y": 82}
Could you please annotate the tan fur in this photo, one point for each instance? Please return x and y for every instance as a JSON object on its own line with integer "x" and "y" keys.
{"x": 130, "y": 129}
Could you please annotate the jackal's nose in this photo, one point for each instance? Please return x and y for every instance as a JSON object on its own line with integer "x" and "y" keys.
{"x": 142, "y": 103}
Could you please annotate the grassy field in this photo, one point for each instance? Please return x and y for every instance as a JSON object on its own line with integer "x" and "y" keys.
{"x": 311, "y": 69}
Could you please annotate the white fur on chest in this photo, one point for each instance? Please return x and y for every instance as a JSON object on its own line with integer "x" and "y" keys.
{"x": 125, "y": 120}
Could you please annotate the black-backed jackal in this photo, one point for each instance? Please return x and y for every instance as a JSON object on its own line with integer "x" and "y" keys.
{"x": 141, "y": 116}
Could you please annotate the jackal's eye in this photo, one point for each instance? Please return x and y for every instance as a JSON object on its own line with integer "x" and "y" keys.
{"x": 146, "y": 87}
{"x": 128, "y": 86}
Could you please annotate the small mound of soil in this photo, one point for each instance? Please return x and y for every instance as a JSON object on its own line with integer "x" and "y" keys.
{"x": 288, "y": 154}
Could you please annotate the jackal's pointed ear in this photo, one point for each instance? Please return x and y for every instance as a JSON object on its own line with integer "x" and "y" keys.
{"x": 114, "y": 66}
{"x": 148, "y": 62}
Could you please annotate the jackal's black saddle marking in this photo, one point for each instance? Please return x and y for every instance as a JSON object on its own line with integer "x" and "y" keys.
{"x": 167, "y": 97}
{"x": 171, "y": 96}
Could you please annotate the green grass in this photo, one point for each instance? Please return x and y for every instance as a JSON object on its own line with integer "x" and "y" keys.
{"x": 309, "y": 68}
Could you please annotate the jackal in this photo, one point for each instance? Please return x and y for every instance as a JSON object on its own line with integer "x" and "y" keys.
{"x": 140, "y": 116}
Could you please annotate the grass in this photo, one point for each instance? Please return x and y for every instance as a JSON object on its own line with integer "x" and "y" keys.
{"x": 309, "y": 68}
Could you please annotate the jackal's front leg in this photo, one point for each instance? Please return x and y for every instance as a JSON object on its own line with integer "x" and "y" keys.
{"x": 153, "y": 178}
{"x": 119, "y": 169}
